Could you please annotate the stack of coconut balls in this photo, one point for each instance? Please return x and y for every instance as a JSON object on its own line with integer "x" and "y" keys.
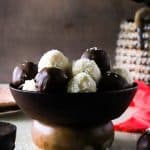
{"x": 56, "y": 73}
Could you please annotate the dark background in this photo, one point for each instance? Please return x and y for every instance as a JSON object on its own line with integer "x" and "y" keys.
{"x": 28, "y": 28}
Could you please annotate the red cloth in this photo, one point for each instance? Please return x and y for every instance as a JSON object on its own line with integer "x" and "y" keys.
{"x": 140, "y": 119}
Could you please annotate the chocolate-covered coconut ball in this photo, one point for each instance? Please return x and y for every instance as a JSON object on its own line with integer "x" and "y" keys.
{"x": 124, "y": 73}
{"x": 143, "y": 142}
{"x": 51, "y": 79}
{"x": 18, "y": 76}
{"x": 30, "y": 69}
{"x": 22, "y": 72}
{"x": 99, "y": 56}
{"x": 112, "y": 81}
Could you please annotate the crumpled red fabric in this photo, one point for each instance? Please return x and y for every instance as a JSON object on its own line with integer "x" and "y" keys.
{"x": 139, "y": 121}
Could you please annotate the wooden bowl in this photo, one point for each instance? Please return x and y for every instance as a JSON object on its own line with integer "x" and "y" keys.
{"x": 74, "y": 109}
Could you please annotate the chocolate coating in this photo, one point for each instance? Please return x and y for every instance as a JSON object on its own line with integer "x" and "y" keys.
{"x": 143, "y": 142}
{"x": 18, "y": 76}
{"x": 30, "y": 69}
{"x": 100, "y": 57}
{"x": 22, "y": 72}
{"x": 51, "y": 79}
{"x": 7, "y": 136}
{"x": 112, "y": 81}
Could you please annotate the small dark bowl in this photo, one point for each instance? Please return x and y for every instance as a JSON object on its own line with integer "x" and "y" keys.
{"x": 74, "y": 110}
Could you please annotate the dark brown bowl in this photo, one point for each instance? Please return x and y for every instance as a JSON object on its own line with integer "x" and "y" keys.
{"x": 76, "y": 110}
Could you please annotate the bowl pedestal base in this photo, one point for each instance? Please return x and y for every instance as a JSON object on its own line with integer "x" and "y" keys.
{"x": 63, "y": 138}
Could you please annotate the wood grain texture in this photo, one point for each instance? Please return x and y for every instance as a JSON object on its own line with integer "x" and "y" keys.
{"x": 31, "y": 27}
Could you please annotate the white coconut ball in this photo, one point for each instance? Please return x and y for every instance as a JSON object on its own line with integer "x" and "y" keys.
{"x": 88, "y": 66}
{"x": 29, "y": 85}
{"x": 82, "y": 83}
{"x": 53, "y": 58}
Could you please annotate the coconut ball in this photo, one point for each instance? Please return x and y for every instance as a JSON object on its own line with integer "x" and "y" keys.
{"x": 29, "y": 85}
{"x": 101, "y": 58}
{"x": 88, "y": 66}
{"x": 22, "y": 72}
{"x": 53, "y": 58}
{"x": 124, "y": 73}
{"x": 82, "y": 83}
{"x": 51, "y": 80}
{"x": 112, "y": 81}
